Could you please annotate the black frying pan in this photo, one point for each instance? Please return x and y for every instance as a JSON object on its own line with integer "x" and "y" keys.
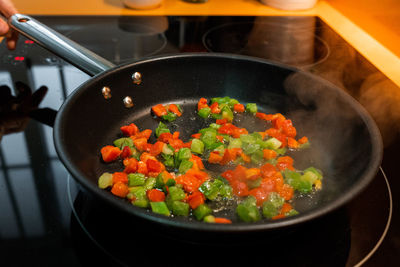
{"x": 346, "y": 143}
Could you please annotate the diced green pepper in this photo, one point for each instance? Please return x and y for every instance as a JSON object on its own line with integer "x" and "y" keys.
{"x": 211, "y": 189}
{"x": 162, "y": 128}
{"x": 232, "y": 102}
{"x": 304, "y": 186}
{"x": 247, "y": 139}
{"x": 201, "y": 211}
{"x": 197, "y": 146}
{"x": 215, "y": 126}
{"x": 150, "y": 183}
{"x": 105, "y": 180}
{"x": 208, "y": 138}
{"x": 249, "y": 148}
{"x": 159, "y": 181}
{"x": 273, "y": 143}
{"x": 227, "y": 113}
{"x": 209, "y": 219}
{"x": 180, "y": 208}
{"x": 291, "y": 212}
{"x": 304, "y": 146}
{"x": 216, "y": 116}
{"x": 251, "y": 107}
{"x": 135, "y": 179}
{"x": 124, "y": 141}
{"x": 160, "y": 208}
{"x": 141, "y": 203}
{"x": 226, "y": 191}
{"x": 167, "y": 150}
{"x": 204, "y": 112}
{"x": 281, "y": 151}
{"x": 315, "y": 171}
{"x": 168, "y": 160}
{"x": 176, "y": 193}
{"x": 184, "y": 153}
{"x": 185, "y": 166}
{"x": 254, "y": 183}
{"x": 257, "y": 157}
{"x": 235, "y": 143}
{"x": 297, "y": 181}
{"x": 138, "y": 191}
{"x": 271, "y": 207}
{"x": 170, "y": 182}
{"x": 170, "y": 116}
{"x": 309, "y": 176}
{"x": 135, "y": 153}
{"x": 247, "y": 210}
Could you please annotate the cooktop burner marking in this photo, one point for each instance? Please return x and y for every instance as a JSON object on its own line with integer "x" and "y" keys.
{"x": 360, "y": 263}
{"x": 283, "y": 43}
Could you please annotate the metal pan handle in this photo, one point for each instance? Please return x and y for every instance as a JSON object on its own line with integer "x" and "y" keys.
{"x": 60, "y": 45}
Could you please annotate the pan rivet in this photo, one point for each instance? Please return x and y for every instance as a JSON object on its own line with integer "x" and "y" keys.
{"x": 128, "y": 102}
{"x": 106, "y": 91}
{"x": 137, "y": 78}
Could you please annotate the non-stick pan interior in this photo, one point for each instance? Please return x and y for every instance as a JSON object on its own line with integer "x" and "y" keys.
{"x": 345, "y": 143}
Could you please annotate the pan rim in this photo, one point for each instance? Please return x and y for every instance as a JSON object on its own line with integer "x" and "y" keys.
{"x": 357, "y": 188}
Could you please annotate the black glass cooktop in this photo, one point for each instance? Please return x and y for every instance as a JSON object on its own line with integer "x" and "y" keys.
{"x": 47, "y": 219}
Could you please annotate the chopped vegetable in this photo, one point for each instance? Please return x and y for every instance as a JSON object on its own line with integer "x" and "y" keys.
{"x": 168, "y": 176}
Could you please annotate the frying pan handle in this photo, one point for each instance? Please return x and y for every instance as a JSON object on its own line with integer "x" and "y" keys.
{"x": 60, "y": 45}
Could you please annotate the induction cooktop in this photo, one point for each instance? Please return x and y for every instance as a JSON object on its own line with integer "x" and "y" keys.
{"x": 47, "y": 219}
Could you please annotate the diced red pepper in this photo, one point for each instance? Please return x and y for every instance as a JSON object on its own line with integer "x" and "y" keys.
{"x": 285, "y": 162}
{"x": 189, "y": 182}
{"x": 286, "y": 192}
{"x": 268, "y": 170}
{"x": 157, "y": 148}
{"x": 159, "y": 110}
{"x": 165, "y": 137}
{"x": 174, "y": 109}
{"x": 140, "y": 143}
{"x": 215, "y": 108}
{"x": 196, "y": 199}
{"x": 202, "y": 103}
{"x": 142, "y": 167}
{"x": 155, "y": 195}
{"x": 131, "y": 165}
{"x": 153, "y": 166}
{"x": 222, "y": 220}
{"x": 292, "y": 143}
{"x": 126, "y": 152}
{"x": 110, "y": 153}
{"x": 119, "y": 177}
{"x": 120, "y": 189}
{"x": 240, "y": 188}
{"x": 260, "y": 194}
{"x": 214, "y": 157}
{"x": 196, "y": 135}
{"x": 303, "y": 140}
{"x": 221, "y": 121}
{"x": 269, "y": 154}
{"x": 130, "y": 129}
{"x": 239, "y": 108}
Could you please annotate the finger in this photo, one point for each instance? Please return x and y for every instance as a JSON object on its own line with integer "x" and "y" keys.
{"x": 12, "y": 40}
{"x": 7, "y": 8}
{"x": 5, "y": 94}
{"x": 22, "y": 89}
{"x": 38, "y": 96}
{"x": 4, "y": 28}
